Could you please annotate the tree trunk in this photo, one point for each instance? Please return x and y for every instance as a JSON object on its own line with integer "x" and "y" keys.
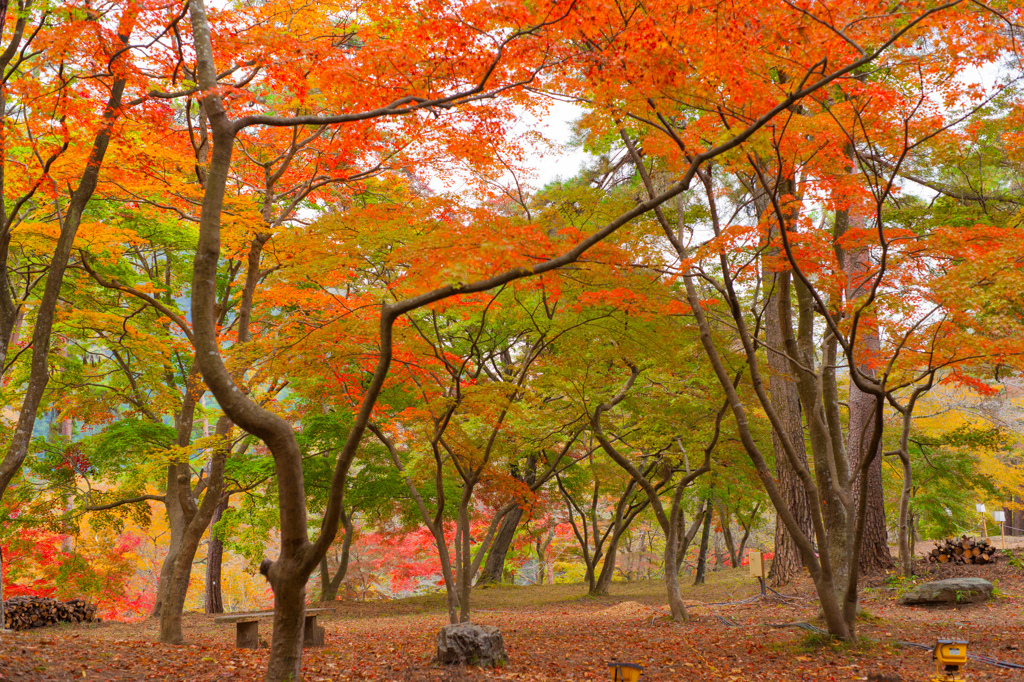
{"x": 329, "y": 586}
{"x": 197, "y": 521}
{"x": 782, "y": 389}
{"x": 494, "y": 567}
{"x": 176, "y": 525}
{"x": 874, "y": 553}
{"x": 604, "y": 578}
{"x": 702, "y": 556}
{"x": 541, "y": 547}
{"x": 289, "y": 615}
{"x": 39, "y": 374}
{"x": 675, "y": 600}
{"x": 214, "y": 602}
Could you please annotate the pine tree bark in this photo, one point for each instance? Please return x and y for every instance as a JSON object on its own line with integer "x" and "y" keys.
{"x": 875, "y": 554}
{"x": 782, "y": 389}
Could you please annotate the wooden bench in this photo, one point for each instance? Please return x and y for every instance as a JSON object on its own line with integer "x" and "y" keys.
{"x": 247, "y": 635}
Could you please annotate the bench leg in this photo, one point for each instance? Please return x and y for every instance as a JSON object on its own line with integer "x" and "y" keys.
{"x": 312, "y": 634}
{"x": 248, "y": 635}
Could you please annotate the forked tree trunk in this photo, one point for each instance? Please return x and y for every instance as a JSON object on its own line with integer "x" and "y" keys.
{"x": 177, "y": 516}
{"x": 329, "y": 586}
{"x": 675, "y": 599}
{"x": 494, "y": 567}
{"x": 600, "y": 585}
{"x": 197, "y": 521}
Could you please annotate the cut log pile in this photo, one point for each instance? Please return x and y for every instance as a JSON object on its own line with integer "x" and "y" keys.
{"x": 23, "y": 613}
{"x": 962, "y": 550}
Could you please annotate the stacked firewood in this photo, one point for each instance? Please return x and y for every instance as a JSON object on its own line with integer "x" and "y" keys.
{"x": 22, "y": 613}
{"x": 963, "y": 550}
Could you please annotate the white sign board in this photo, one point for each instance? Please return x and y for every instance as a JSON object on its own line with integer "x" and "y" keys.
{"x": 999, "y": 516}
{"x": 980, "y": 507}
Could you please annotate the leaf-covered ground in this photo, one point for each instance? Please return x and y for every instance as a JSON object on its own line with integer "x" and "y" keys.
{"x": 554, "y": 633}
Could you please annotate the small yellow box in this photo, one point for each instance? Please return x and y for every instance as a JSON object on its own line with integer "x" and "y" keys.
{"x": 951, "y": 652}
{"x": 949, "y": 655}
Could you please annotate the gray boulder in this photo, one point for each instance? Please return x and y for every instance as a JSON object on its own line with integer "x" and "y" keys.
{"x": 469, "y": 644}
{"x": 951, "y": 591}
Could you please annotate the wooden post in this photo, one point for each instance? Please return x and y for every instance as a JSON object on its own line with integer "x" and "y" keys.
{"x": 247, "y": 634}
{"x": 1000, "y": 518}
{"x": 984, "y": 522}
{"x": 313, "y": 634}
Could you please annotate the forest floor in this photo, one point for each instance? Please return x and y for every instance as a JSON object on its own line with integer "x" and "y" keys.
{"x": 558, "y": 633}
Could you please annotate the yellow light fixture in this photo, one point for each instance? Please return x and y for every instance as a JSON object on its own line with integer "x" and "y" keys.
{"x": 625, "y": 672}
{"x": 950, "y": 655}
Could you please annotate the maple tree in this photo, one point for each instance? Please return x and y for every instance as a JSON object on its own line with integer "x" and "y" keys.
{"x": 298, "y": 555}
{"x": 851, "y": 299}
{"x": 483, "y": 335}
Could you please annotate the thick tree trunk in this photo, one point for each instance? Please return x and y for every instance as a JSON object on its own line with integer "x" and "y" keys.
{"x": 874, "y": 553}
{"x": 495, "y": 565}
{"x": 289, "y": 616}
{"x": 785, "y": 399}
{"x": 176, "y": 527}
{"x": 675, "y": 600}
{"x": 214, "y": 601}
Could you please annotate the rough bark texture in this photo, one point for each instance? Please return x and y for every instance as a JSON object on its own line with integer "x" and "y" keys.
{"x": 782, "y": 388}
{"x": 874, "y": 553}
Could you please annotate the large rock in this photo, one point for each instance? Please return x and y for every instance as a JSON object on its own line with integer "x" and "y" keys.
{"x": 469, "y": 644}
{"x": 952, "y": 591}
